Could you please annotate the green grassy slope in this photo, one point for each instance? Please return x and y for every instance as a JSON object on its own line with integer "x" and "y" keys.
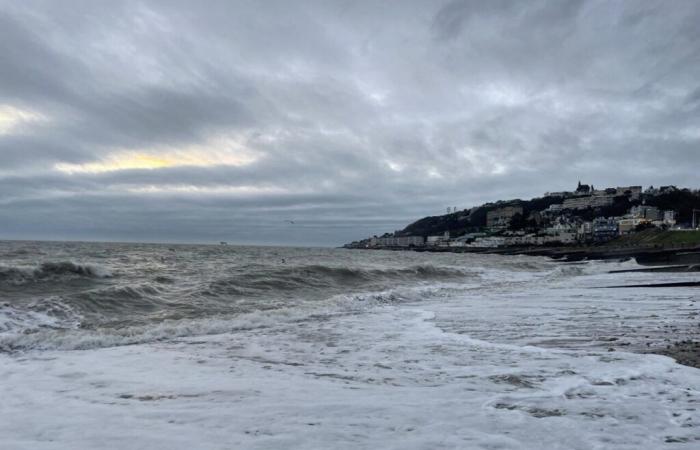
{"x": 658, "y": 237}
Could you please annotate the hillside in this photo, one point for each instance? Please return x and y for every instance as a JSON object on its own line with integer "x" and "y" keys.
{"x": 654, "y": 237}
{"x": 470, "y": 220}
{"x": 683, "y": 201}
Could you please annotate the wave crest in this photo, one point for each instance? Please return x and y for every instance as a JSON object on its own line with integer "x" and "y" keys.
{"x": 25, "y": 330}
{"x": 50, "y": 271}
{"x": 294, "y": 278}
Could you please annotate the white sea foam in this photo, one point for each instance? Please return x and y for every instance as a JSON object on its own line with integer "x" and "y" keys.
{"x": 390, "y": 379}
{"x": 513, "y": 356}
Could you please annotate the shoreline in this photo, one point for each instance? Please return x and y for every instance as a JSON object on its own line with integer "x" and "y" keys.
{"x": 678, "y": 259}
{"x": 681, "y": 256}
{"x": 685, "y": 352}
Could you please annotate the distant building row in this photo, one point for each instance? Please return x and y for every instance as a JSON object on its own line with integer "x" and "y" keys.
{"x": 550, "y": 226}
{"x": 583, "y": 190}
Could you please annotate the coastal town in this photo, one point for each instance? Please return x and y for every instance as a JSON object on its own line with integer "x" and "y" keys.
{"x": 584, "y": 216}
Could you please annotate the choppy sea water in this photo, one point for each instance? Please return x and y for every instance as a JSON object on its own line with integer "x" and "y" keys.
{"x": 220, "y": 347}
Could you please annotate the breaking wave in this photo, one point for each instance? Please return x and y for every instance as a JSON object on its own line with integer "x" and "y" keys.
{"x": 319, "y": 276}
{"x": 43, "y": 330}
{"x": 349, "y": 274}
{"x": 60, "y": 299}
{"x": 50, "y": 271}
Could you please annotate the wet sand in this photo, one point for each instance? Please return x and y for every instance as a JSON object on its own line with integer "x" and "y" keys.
{"x": 687, "y": 351}
{"x": 684, "y": 352}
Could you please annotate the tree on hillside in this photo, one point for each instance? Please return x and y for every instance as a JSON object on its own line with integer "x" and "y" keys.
{"x": 682, "y": 201}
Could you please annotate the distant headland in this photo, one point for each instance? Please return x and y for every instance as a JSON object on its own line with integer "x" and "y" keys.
{"x": 653, "y": 224}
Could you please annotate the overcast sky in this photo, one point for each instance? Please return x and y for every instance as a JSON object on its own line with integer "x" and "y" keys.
{"x": 221, "y": 120}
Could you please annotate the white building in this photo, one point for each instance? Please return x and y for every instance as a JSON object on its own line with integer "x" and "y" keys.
{"x": 645, "y": 212}
{"x": 589, "y": 201}
{"x": 438, "y": 239}
{"x": 488, "y": 242}
{"x": 669, "y": 218}
{"x": 585, "y": 231}
{"x": 400, "y": 241}
{"x": 628, "y": 224}
{"x": 558, "y": 194}
{"x": 561, "y": 232}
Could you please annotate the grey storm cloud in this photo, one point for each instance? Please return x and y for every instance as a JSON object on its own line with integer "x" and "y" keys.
{"x": 221, "y": 120}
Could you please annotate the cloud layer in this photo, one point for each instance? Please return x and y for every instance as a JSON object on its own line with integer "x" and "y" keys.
{"x": 220, "y": 120}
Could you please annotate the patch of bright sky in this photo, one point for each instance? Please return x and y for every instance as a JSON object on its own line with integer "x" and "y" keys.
{"x": 11, "y": 118}
{"x": 376, "y": 94}
{"x": 481, "y": 162}
{"x": 222, "y": 151}
{"x": 396, "y": 167}
{"x": 433, "y": 172}
{"x": 192, "y": 189}
{"x": 499, "y": 94}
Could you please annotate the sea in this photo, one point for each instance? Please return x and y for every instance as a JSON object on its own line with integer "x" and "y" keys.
{"x": 162, "y": 346}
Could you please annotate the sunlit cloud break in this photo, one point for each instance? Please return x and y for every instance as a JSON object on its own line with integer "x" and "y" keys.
{"x": 222, "y": 190}
{"x": 216, "y": 152}
{"x": 157, "y": 120}
{"x": 12, "y": 118}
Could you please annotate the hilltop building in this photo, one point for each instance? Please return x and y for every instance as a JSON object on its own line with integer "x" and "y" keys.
{"x": 661, "y": 190}
{"x": 586, "y": 196}
{"x": 564, "y": 218}
{"x": 585, "y": 190}
{"x": 588, "y": 201}
{"x": 562, "y": 194}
